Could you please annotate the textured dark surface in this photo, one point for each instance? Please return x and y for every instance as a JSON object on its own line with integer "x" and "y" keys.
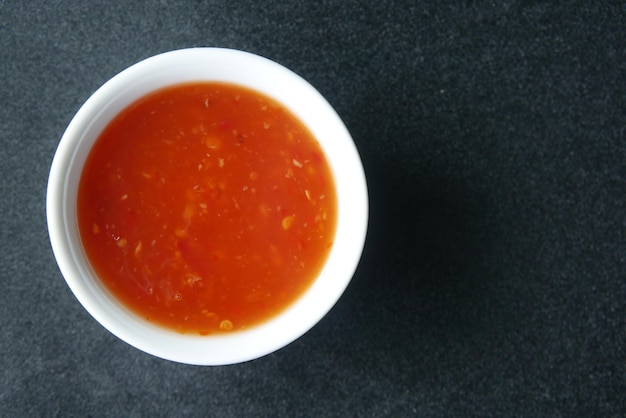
{"x": 494, "y": 276}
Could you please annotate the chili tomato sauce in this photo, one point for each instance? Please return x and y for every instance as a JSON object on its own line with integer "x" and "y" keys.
{"x": 207, "y": 208}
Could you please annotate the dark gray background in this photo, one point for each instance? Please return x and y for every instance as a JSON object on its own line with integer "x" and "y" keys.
{"x": 493, "y": 278}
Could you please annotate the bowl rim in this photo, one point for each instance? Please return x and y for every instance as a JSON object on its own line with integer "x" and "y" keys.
{"x": 208, "y": 64}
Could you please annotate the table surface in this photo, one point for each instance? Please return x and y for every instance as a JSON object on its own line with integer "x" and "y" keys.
{"x": 494, "y": 273}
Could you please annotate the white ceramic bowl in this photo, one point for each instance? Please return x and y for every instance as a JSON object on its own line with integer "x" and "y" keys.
{"x": 207, "y": 64}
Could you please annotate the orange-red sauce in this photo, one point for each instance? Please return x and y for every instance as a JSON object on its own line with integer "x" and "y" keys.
{"x": 207, "y": 207}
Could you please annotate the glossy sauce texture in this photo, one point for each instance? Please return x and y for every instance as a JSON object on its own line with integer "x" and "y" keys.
{"x": 207, "y": 208}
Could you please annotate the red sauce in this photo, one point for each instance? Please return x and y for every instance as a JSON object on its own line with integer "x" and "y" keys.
{"x": 207, "y": 208}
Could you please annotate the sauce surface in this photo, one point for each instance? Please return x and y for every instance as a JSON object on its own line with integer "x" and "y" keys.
{"x": 207, "y": 208}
